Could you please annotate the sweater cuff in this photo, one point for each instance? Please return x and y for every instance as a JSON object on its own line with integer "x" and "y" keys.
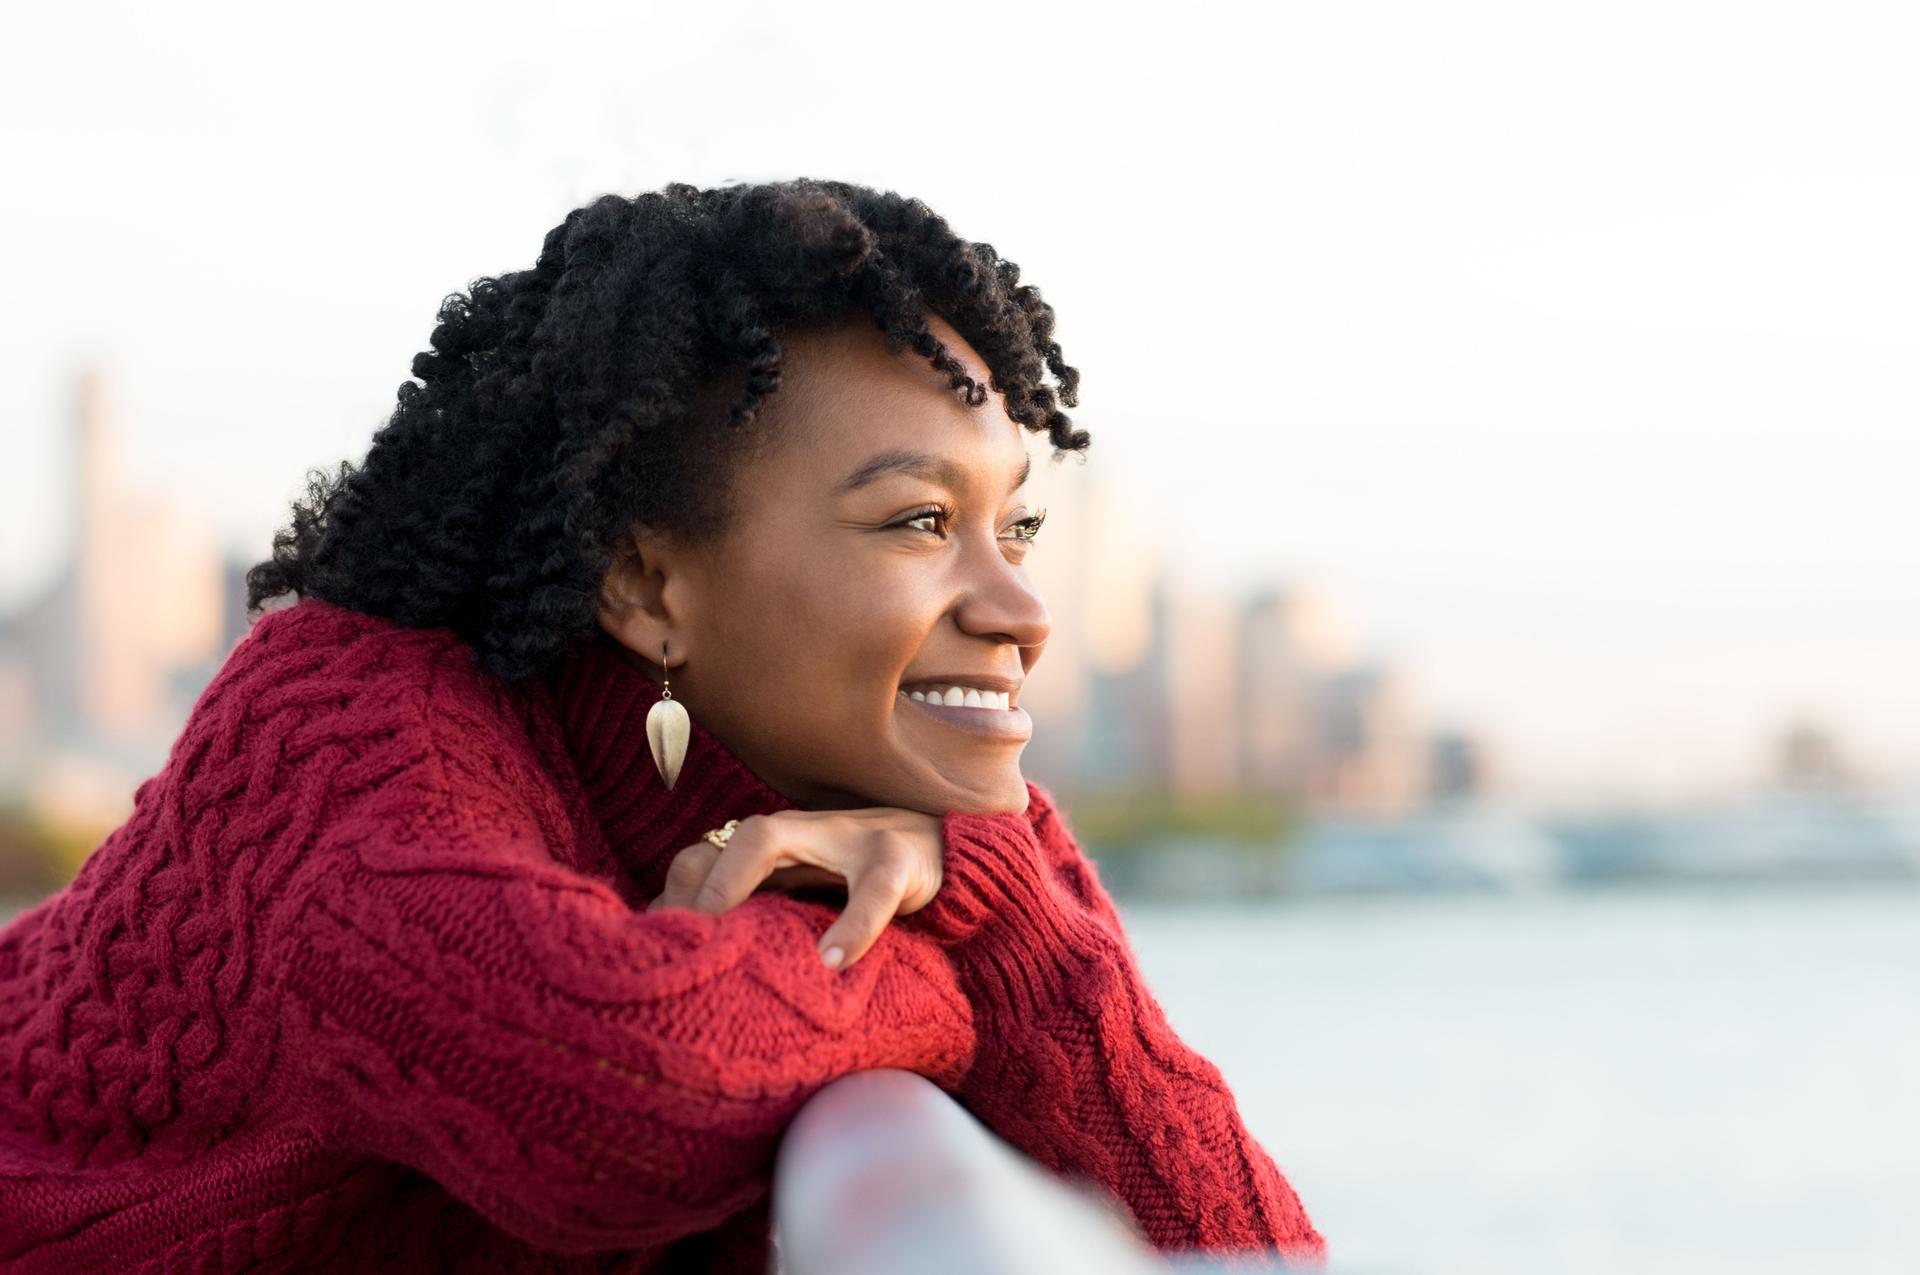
{"x": 1004, "y": 915}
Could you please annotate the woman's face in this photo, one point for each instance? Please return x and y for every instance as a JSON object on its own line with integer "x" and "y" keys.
{"x": 875, "y": 549}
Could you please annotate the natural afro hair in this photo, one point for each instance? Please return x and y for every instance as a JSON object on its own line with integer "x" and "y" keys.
{"x": 563, "y": 405}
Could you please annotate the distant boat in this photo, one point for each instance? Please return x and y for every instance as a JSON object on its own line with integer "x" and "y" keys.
{"x": 1784, "y": 835}
{"x": 1477, "y": 846}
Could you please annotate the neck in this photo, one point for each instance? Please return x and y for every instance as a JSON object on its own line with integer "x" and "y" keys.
{"x": 602, "y": 696}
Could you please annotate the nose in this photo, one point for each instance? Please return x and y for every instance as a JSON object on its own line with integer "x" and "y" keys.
{"x": 998, "y": 599}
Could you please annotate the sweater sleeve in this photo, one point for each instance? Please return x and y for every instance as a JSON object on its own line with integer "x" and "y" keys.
{"x": 1077, "y": 1064}
{"x": 586, "y": 1075}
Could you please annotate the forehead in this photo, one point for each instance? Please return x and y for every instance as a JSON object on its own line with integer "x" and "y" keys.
{"x": 843, "y": 397}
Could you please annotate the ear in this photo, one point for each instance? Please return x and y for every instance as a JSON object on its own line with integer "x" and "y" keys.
{"x": 644, "y": 597}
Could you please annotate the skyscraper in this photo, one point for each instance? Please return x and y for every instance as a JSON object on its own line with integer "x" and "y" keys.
{"x": 110, "y": 651}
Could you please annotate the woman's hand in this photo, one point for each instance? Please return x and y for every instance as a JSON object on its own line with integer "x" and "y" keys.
{"x": 888, "y": 858}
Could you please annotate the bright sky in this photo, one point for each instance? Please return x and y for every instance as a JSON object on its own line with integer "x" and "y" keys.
{"x": 1575, "y": 353}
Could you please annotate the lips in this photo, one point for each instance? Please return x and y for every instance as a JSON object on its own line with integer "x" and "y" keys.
{"x": 1009, "y": 724}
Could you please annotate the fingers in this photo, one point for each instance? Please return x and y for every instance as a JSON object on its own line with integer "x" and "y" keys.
{"x": 685, "y": 875}
{"x": 751, "y": 854}
{"x": 713, "y": 879}
{"x": 885, "y": 873}
{"x": 872, "y": 900}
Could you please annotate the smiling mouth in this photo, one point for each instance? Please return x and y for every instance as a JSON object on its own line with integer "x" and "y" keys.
{"x": 958, "y": 696}
{"x": 983, "y": 717}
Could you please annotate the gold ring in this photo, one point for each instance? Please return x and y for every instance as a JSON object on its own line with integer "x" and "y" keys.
{"x": 724, "y": 833}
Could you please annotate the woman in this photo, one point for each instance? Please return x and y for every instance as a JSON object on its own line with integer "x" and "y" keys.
{"x": 428, "y": 949}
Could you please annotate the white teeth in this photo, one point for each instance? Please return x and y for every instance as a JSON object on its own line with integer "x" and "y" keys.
{"x": 964, "y": 696}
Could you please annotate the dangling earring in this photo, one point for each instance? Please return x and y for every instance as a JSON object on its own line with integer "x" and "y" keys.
{"x": 667, "y": 729}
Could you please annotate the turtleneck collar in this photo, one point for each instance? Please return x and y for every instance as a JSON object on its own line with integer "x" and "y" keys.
{"x": 601, "y": 697}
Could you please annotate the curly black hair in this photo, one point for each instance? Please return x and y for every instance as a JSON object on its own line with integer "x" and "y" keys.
{"x": 562, "y": 406}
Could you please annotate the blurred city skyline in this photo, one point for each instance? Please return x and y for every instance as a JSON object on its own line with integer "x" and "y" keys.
{"x": 1154, "y": 684}
{"x": 1581, "y": 378}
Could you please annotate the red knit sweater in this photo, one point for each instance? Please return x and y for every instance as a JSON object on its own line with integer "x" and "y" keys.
{"x": 366, "y": 982}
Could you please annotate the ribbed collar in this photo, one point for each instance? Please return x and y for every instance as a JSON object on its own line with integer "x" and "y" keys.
{"x": 601, "y": 697}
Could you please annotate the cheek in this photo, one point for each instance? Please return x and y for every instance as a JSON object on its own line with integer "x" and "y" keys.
{"x": 835, "y": 635}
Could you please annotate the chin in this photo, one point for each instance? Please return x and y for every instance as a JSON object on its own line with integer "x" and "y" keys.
{"x": 1004, "y": 796}
{"x": 926, "y": 787}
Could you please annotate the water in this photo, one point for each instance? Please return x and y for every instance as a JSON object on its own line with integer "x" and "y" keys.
{"x": 1561, "y": 1084}
{"x": 1691, "y": 1082}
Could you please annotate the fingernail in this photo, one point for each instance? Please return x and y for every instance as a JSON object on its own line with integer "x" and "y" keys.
{"x": 833, "y": 956}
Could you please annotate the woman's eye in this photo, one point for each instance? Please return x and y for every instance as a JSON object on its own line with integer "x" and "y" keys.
{"x": 1027, "y": 528}
{"x": 932, "y": 515}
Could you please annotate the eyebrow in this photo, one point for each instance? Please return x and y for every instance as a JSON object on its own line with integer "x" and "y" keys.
{"x": 920, "y": 465}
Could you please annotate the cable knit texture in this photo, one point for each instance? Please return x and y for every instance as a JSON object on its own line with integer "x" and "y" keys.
{"x": 366, "y": 982}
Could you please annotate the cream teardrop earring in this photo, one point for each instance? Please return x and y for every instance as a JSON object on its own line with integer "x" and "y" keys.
{"x": 667, "y": 729}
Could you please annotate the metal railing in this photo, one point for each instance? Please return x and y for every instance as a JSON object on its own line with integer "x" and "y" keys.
{"x": 881, "y": 1173}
